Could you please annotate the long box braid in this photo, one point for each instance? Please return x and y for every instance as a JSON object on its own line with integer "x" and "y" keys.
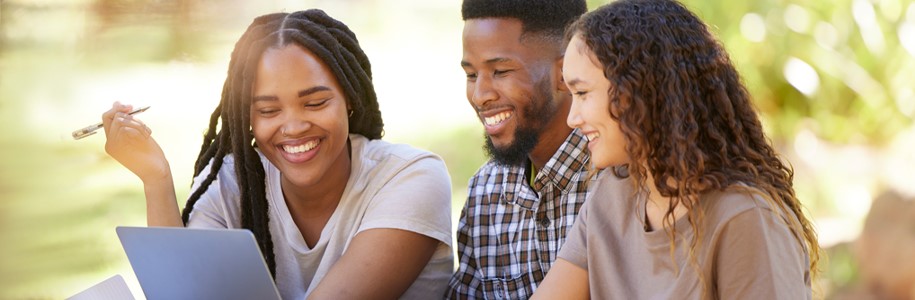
{"x": 337, "y": 47}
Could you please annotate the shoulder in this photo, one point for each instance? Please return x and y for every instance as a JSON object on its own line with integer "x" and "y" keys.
{"x": 380, "y": 159}
{"x": 219, "y": 203}
{"x": 225, "y": 175}
{"x": 490, "y": 169}
{"x": 742, "y": 210}
{"x": 490, "y": 178}
{"x": 226, "y": 172}
{"x": 379, "y": 150}
{"x": 604, "y": 181}
{"x": 733, "y": 201}
{"x": 610, "y": 194}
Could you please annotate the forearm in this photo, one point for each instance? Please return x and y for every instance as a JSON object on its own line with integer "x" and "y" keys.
{"x": 379, "y": 264}
{"x": 161, "y": 203}
{"x": 564, "y": 281}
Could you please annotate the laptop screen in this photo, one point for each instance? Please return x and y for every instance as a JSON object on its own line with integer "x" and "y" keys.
{"x": 184, "y": 263}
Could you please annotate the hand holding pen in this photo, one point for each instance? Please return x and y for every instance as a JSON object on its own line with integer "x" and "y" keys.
{"x": 129, "y": 141}
{"x": 92, "y": 129}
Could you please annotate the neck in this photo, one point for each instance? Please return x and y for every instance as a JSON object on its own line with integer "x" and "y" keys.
{"x": 654, "y": 197}
{"x": 323, "y": 196}
{"x": 656, "y": 206}
{"x": 554, "y": 134}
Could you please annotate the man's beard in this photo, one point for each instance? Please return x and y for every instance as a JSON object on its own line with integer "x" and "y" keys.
{"x": 527, "y": 133}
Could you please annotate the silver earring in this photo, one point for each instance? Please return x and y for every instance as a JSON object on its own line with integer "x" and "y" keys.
{"x": 351, "y": 113}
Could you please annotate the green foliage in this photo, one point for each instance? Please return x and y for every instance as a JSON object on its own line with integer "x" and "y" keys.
{"x": 862, "y": 92}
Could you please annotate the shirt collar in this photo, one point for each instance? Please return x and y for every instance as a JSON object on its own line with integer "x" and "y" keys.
{"x": 570, "y": 159}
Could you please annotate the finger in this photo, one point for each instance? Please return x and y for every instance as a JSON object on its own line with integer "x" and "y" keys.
{"x": 132, "y": 134}
{"x": 119, "y": 125}
{"x": 128, "y": 122}
{"x": 109, "y": 115}
{"x": 113, "y": 133}
{"x": 112, "y": 123}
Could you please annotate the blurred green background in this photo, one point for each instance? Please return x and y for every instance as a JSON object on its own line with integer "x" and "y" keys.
{"x": 832, "y": 79}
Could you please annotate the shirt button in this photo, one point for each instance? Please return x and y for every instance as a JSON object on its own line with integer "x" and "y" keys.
{"x": 545, "y": 222}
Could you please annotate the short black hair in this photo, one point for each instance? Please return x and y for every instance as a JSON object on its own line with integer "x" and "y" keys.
{"x": 547, "y": 17}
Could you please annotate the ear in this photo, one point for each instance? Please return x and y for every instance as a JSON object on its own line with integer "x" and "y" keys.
{"x": 557, "y": 75}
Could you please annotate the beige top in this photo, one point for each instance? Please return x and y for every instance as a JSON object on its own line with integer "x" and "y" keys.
{"x": 747, "y": 252}
{"x": 390, "y": 186}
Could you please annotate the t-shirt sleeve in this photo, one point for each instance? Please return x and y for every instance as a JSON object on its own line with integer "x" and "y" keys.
{"x": 211, "y": 210}
{"x": 759, "y": 258}
{"x": 575, "y": 249}
{"x": 417, "y": 198}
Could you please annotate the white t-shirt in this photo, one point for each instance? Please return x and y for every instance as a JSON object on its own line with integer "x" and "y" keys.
{"x": 390, "y": 186}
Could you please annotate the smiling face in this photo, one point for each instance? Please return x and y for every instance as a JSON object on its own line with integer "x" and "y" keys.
{"x": 509, "y": 86}
{"x": 299, "y": 116}
{"x": 591, "y": 106}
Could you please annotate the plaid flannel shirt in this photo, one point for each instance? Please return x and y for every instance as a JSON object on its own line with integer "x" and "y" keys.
{"x": 509, "y": 233}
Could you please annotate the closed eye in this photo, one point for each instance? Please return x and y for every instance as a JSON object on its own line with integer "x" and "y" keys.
{"x": 501, "y": 72}
{"x": 316, "y": 104}
{"x": 266, "y": 112}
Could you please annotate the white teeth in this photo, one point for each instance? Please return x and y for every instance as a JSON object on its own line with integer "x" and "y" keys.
{"x": 301, "y": 148}
{"x": 592, "y": 136}
{"x": 498, "y": 118}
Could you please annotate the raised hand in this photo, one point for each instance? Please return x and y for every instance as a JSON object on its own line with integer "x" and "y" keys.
{"x": 129, "y": 141}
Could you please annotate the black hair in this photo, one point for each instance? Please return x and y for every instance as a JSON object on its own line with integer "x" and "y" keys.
{"x": 545, "y": 17}
{"x": 336, "y": 46}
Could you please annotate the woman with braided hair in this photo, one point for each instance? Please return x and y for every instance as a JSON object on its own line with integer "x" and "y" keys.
{"x": 693, "y": 202}
{"x": 293, "y": 153}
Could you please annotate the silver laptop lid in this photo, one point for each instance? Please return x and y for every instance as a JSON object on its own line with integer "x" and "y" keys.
{"x": 184, "y": 263}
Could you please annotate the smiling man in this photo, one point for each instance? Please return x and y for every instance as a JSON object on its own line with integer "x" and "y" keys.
{"x": 521, "y": 202}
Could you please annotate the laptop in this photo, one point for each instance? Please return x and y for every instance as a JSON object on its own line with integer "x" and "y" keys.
{"x": 183, "y": 263}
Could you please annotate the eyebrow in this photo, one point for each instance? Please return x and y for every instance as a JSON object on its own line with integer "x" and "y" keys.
{"x": 313, "y": 90}
{"x": 574, "y": 81}
{"x": 302, "y": 93}
{"x": 490, "y": 61}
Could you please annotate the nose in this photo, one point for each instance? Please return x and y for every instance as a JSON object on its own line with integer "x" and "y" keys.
{"x": 481, "y": 91}
{"x": 574, "y": 119}
{"x": 295, "y": 125}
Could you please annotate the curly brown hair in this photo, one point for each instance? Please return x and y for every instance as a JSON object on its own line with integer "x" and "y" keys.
{"x": 688, "y": 119}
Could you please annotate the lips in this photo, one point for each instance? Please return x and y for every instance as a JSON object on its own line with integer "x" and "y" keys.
{"x": 301, "y": 150}
{"x": 591, "y": 136}
{"x": 495, "y": 120}
{"x": 295, "y": 149}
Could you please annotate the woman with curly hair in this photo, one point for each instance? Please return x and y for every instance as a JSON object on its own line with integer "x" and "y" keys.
{"x": 294, "y": 153}
{"x": 696, "y": 203}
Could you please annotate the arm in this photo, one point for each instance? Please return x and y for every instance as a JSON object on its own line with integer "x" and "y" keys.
{"x": 379, "y": 264}
{"x": 404, "y": 223}
{"x": 129, "y": 142}
{"x": 758, "y": 258}
{"x": 564, "y": 281}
